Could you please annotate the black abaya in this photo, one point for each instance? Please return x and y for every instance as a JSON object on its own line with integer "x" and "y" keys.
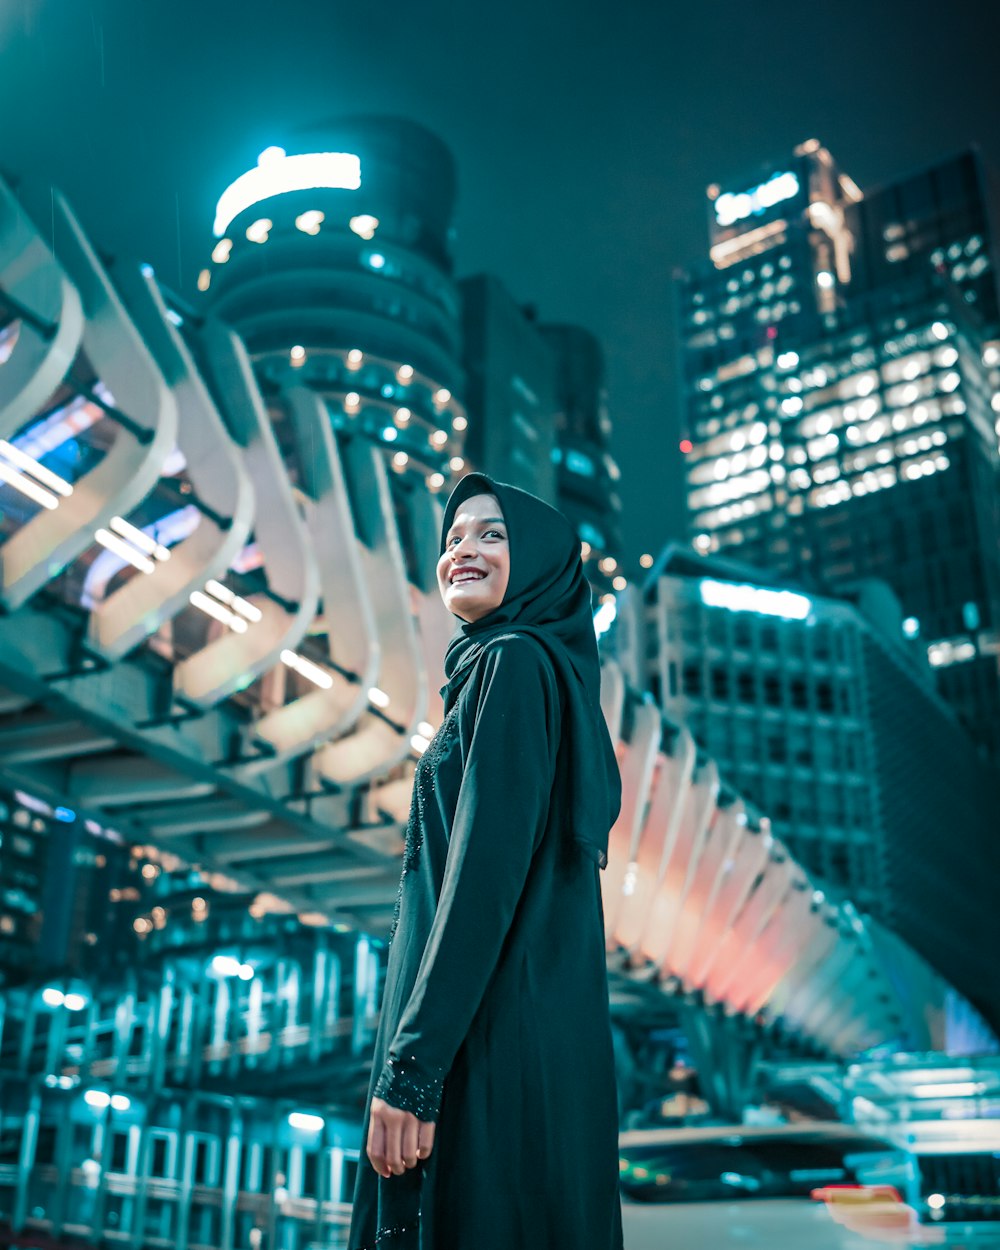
{"x": 495, "y": 1022}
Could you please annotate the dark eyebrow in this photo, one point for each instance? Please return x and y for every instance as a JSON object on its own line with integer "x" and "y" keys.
{"x": 484, "y": 521}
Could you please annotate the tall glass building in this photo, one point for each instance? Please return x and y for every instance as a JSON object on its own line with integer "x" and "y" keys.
{"x": 819, "y": 712}
{"x": 588, "y": 475}
{"x": 840, "y": 380}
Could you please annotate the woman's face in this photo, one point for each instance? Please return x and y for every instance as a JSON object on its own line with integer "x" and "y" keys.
{"x": 474, "y": 568}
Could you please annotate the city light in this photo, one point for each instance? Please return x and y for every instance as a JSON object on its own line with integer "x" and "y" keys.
{"x": 390, "y": 433}
{"x": 435, "y": 481}
{"x": 310, "y": 221}
{"x": 646, "y": 561}
{"x": 745, "y": 598}
{"x": 604, "y": 616}
{"x": 125, "y": 551}
{"x": 52, "y": 997}
{"x": 204, "y": 279}
{"x": 404, "y": 373}
{"x": 221, "y": 251}
{"x": 459, "y": 423}
{"x": 139, "y": 538}
{"x": 258, "y": 231}
{"x": 97, "y": 1098}
{"x": 354, "y": 358}
{"x": 376, "y": 260}
{"x": 442, "y": 396}
{"x": 940, "y": 330}
{"x": 277, "y": 174}
{"x": 32, "y": 479}
{"x": 215, "y": 609}
{"x": 949, "y": 1089}
{"x": 686, "y": 445}
{"x": 306, "y": 668}
{"x": 731, "y": 208}
{"x": 364, "y": 225}
{"x": 306, "y": 1122}
{"x": 824, "y": 279}
{"x": 400, "y": 460}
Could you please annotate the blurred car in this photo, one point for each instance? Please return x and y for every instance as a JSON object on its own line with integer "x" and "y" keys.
{"x": 806, "y": 1186}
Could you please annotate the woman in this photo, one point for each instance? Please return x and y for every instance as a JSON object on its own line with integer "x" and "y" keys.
{"x": 491, "y": 1121}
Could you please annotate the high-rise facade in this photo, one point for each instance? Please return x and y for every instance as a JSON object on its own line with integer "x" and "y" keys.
{"x": 335, "y": 269}
{"x": 587, "y": 473}
{"x": 840, "y": 357}
{"x": 821, "y": 714}
{"x": 510, "y": 389}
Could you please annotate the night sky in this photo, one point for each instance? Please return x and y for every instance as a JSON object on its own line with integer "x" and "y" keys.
{"x": 585, "y": 135}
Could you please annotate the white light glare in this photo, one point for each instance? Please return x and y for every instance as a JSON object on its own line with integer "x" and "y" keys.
{"x": 27, "y": 487}
{"x": 52, "y": 997}
{"x": 824, "y": 279}
{"x": 97, "y": 1098}
{"x": 213, "y": 608}
{"x": 125, "y": 550}
{"x": 226, "y": 966}
{"x": 306, "y": 1122}
{"x": 74, "y": 1002}
{"x": 940, "y": 330}
{"x": 277, "y": 174}
{"x": 604, "y": 616}
{"x": 221, "y": 251}
{"x": 935, "y": 1201}
{"x": 419, "y": 743}
{"x": 139, "y": 538}
{"x": 310, "y": 222}
{"x": 306, "y": 668}
{"x": 378, "y": 697}
{"x": 788, "y": 360}
{"x": 731, "y": 208}
{"x": 746, "y": 598}
{"x": 28, "y": 464}
{"x": 364, "y": 225}
{"x": 258, "y": 231}
{"x": 949, "y": 1089}
{"x": 243, "y": 606}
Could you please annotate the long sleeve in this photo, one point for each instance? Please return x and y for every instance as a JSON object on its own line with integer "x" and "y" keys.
{"x": 500, "y": 816}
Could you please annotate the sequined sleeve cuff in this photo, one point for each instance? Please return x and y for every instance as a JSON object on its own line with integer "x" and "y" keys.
{"x": 404, "y": 1084}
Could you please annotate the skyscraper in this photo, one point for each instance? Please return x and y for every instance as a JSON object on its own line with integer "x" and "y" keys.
{"x": 335, "y": 269}
{"x": 839, "y": 370}
{"x": 587, "y": 477}
{"x": 511, "y": 382}
{"x": 819, "y": 712}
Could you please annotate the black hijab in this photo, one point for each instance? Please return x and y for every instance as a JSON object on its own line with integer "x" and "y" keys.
{"x": 548, "y": 598}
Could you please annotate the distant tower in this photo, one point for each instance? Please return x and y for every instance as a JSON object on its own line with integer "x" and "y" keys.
{"x": 334, "y": 266}
{"x": 840, "y": 356}
{"x": 587, "y": 478}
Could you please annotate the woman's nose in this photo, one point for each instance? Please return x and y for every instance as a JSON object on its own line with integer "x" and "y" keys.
{"x": 465, "y": 547}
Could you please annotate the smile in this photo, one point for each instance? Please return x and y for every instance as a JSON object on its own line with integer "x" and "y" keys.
{"x": 467, "y": 575}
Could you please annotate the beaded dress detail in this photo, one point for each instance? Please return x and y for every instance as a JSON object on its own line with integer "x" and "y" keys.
{"x": 423, "y": 786}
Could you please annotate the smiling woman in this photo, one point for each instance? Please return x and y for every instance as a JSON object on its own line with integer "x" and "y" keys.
{"x": 474, "y": 567}
{"x": 492, "y": 1113}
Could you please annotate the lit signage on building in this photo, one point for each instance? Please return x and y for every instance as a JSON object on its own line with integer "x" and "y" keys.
{"x": 730, "y": 208}
{"x": 743, "y": 598}
{"x": 276, "y": 173}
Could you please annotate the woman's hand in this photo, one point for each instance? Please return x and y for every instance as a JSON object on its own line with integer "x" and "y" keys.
{"x": 396, "y": 1139}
